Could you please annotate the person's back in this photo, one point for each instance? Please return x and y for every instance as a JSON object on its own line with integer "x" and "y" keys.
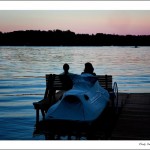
{"x": 66, "y": 68}
{"x": 89, "y": 69}
{"x": 66, "y": 80}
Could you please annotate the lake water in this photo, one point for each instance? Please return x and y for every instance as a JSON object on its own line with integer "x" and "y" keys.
{"x": 22, "y": 81}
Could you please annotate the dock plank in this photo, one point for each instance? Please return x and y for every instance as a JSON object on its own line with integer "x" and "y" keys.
{"x": 134, "y": 120}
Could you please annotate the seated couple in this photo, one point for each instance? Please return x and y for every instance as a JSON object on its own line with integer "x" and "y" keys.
{"x": 70, "y": 80}
{"x": 88, "y": 69}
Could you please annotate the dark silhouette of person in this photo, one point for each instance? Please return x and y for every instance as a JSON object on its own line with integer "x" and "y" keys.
{"x": 89, "y": 69}
{"x": 66, "y": 68}
{"x": 66, "y": 80}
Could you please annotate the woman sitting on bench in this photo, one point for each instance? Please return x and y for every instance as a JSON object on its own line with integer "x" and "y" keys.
{"x": 89, "y": 69}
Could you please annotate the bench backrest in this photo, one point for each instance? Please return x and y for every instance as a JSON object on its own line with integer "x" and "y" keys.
{"x": 105, "y": 81}
{"x": 54, "y": 81}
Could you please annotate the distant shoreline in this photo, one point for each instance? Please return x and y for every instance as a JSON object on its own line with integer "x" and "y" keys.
{"x": 69, "y": 38}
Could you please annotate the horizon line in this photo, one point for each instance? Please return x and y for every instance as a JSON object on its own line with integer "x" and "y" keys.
{"x": 76, "y": 32}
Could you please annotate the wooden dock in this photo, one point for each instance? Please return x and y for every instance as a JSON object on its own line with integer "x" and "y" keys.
{"x": 131, "y": 123}
{"x": 134, "y": 120}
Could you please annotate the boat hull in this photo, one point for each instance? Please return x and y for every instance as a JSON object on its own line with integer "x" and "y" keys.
{"x": 83, "y": 103}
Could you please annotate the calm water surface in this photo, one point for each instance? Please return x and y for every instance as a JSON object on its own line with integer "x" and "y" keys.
{"x": 22, "y": 82}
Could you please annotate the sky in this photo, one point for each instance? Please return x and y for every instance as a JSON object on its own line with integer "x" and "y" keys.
{"x": 122, "y": 22}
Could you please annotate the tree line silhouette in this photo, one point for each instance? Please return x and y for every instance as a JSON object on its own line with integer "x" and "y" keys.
{"x": 69, "y": 38}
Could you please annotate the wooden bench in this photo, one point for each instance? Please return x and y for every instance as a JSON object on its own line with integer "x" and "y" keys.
{"x": 55, "y": 83}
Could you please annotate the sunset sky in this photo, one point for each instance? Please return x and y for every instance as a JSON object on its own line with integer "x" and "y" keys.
{"x": 123, "y": 22}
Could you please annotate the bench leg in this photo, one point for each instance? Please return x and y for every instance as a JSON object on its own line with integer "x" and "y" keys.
{"x": 43, "y": 113}
{"x": 37, "y": 115}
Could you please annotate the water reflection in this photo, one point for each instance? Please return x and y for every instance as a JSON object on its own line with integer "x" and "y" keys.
{"x": 38, "y": 61}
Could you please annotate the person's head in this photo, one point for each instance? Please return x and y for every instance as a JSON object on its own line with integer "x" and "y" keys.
{"x": 88, "y": 68}
{"x": 66, "y": 67}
